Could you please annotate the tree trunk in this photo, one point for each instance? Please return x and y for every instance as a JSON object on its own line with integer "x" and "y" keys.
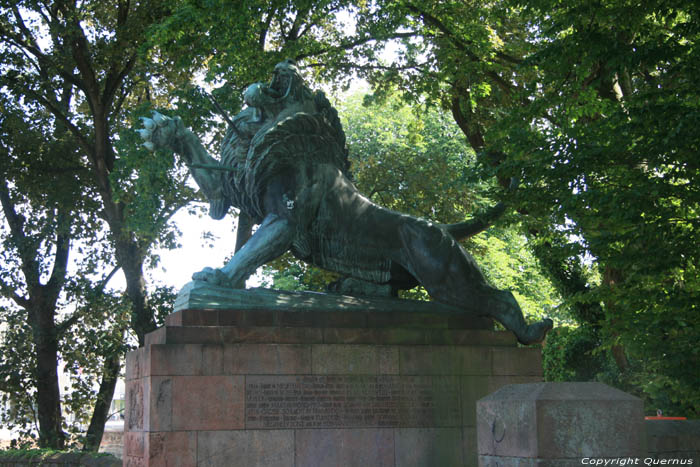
{"x": 128, "y": 252}
{"x": 40, "y": 305}
{"x": 110, "y": 374}
{"x": 130, "y": 260}
{"x": 612, "y": 277}
{"x": 48, "y": 398}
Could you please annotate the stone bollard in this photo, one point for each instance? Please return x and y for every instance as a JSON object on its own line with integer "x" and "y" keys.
{"x": 563, "y": 424}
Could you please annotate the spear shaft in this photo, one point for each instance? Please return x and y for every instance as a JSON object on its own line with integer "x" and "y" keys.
{"x": 222, "y": 168}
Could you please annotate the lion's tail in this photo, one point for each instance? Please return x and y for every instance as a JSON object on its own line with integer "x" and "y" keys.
{"x": 482, "y": 221}
{"x": 467, "y": 229}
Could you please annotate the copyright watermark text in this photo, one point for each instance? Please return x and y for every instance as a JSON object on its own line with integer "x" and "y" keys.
{"x": 623, "y": 461}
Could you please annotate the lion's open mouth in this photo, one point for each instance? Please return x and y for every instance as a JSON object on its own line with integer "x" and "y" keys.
{"x": 280, "y": 84}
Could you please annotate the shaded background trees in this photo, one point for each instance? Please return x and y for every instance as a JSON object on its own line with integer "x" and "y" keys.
{"x": 77, "y": 71}
{"x": 593, "y": 107}
{"x": 610, "y": 157}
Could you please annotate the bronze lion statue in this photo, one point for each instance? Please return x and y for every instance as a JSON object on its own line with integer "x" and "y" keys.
{"x": 284, "y": 164}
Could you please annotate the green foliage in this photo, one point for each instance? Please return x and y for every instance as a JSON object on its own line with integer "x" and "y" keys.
{"x": 44, "y": 211}
{"x": 97, "y": 334}
{"x": 18, "y": 410}
{"x": 410, "y": 160}
{"x": 505, "y": 256}
{"x": 593, "y": 106}
{"x": 233, "y": 43}
{"x": 607, "y": 152}
{"x": 36, "y": 456}
{"x": 288, "y": 273}
{"x": 78, "y": 197}
{"x": 416, "y": 161}
{"x": 151, "y": 186}
{"x": 569, "y": 354}
{"x": 28, "y": 454}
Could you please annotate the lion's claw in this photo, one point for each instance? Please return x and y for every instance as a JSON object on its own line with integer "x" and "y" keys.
{"x": 148, "y": 123}
{"x": 145, "y": 134}
{"x": 160, "y": 119}
{"x": 159, "y": 131}
{"x": 211, "y": 275}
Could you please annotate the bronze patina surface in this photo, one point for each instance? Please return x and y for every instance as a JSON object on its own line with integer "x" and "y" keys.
{"x": 284, "y": 164}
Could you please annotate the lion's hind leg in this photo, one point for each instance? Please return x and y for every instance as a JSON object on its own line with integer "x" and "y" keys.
{"x": 450, "y": 275}
{"x": 503, "y": 307}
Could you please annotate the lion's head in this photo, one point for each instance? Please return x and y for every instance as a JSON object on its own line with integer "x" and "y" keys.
{"x": 285, "y": 94}
{"x": 288, "y": 83}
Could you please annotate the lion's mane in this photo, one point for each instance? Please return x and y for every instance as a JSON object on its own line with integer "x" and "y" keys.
{"x": 256, "y": 151}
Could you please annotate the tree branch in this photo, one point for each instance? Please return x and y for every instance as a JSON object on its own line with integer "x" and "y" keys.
{"x": 368, "y": 67}
{"x": 29, "y": 46}
{"x": 41, "y": 62}
{"x": 32, "y": 55}
{"x": 481, "y": 221}
{"x": 293, "y": 33}
{"x": 98, "y": 290}
{"x": 465, "y": 46}
{"x": 20, "y": 240}
{"x": 355, "y": 43}
{"x": 12, "y": 294}
{"x": 464, "y": 121}
{"x": 124, "y": 92}
{"x": 42, "y": 13}
{"x": 103, "y": 283}
{"x": 114, "y": 79}
{"x": 122, "y": 13}
{"x": 166, "y": 214}
{"x": 53, "y": 108}
{"x": 58, "y": 273}
{"x": 79, "y": 50}
{"x": 461, "y": 44}
{"x": 23, "y": 27}
{"x": 265, "y": 27}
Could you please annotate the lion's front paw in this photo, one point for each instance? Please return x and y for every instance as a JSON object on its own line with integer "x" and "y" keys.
{"x": 159, "y": 131}
{"x": 212, "y": 276}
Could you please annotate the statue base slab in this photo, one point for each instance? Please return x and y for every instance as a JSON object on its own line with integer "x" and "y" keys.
{"x": 199, "y": 295}
{"x": 302, "y": 386}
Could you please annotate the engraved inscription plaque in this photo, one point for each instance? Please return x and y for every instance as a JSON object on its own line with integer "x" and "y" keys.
{"x": 351, "y": 401}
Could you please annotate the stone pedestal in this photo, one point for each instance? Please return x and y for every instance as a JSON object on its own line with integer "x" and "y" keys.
{"x": 562, "y": 424}
{"x": 315, "y": 388}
